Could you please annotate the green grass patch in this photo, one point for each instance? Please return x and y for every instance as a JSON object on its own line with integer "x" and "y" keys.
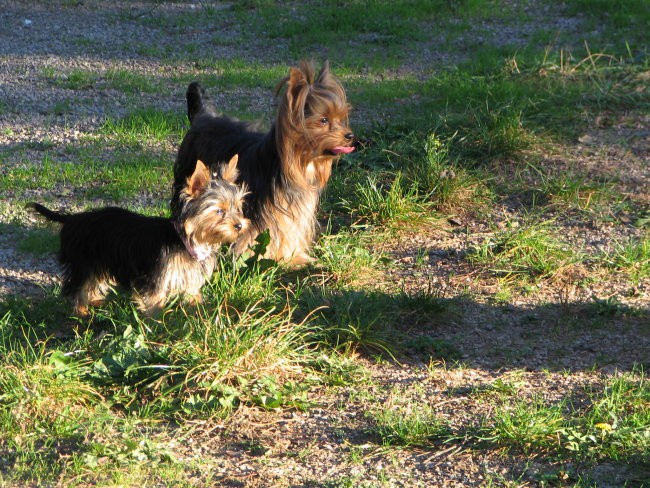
{"x": 39, "y": 242}
{"x": 380, "y": 27}
{"x": 569, "y": 190}
{"x": 624, "y": 21}
{"x": 146, "y": 126}
{"x": 443, "y": 182}
{"x": 221, "y": 74}
{"x": 408, "y": 424}
{"x": 528, "y": 250}
{"x": 351, "y": 320}
{"x": 614, "y": 425}
{"x": 73, "y": 80}
{"x": 498, "y": 113}
{"x": 380, "y": 32}
{"x": 129, "y": 82}
{"x": 632, "y": 257}
{"x": 347, "y": 259}
{"x": 529, "y": 425}
{"x": 124, "y": 177}
{"x": 387, "y": 201}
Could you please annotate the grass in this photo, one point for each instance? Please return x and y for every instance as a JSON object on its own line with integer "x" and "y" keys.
{"x": 393, "y": 204}
{"x": 528, "y": 251}
{"x": 614, "y": 425}
{"x": 124, "y": 177}
{"x": 402, "y": 425}
{"x": 459, "y": 133}
{"x": 632, "y": 256}
{"x": 145, "y": 126}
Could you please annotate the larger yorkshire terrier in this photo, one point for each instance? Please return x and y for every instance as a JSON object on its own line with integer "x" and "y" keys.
{"x": 285, "y": 169}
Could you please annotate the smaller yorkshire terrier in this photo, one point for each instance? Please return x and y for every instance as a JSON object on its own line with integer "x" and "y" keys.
{"x": 156, "y": 257}
{"x": 284, "y": 169}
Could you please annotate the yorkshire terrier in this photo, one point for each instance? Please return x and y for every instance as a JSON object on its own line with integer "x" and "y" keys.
{"x": 155, "y": 257}
{"x": 285, "y": 169}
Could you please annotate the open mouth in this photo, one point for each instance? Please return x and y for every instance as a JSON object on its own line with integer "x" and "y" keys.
{"x": 342, "y": 149}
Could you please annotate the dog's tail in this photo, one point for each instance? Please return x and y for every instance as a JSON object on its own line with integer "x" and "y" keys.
{"x": 47, "y": 213}
{"x": 195, "y": 96}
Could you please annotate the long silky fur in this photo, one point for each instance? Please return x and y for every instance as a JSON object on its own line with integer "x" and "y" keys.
{"x": 284, "y": 169}
{"x": 112, "y": 246}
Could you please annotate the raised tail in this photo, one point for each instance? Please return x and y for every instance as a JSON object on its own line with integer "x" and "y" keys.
{"x": 47, "y": 213}
{"x": 194, "y": 95}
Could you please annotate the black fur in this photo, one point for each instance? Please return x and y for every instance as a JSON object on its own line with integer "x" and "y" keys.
{"x": 284, "y": 169}
{"x": 214, "y": 139}
{"x": 113, "y": 243}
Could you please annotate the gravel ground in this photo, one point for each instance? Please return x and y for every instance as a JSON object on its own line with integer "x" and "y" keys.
{"x": 538, "y": 337}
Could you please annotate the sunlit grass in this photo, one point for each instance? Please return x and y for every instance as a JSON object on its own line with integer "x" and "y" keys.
{"x": 88, "y": 401}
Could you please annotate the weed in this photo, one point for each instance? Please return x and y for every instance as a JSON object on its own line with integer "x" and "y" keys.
{"x": 408, "y": 425}
{"x": 350, "y": 320}
{"x": 529, "y": 425}
{"x": 394, "y": 204}
{"x": 632, "y": 257}
{"x": 346, "y": 259}
{"x": 614, "y": 425}
{"x": 444, "y": 183}
{"x": 573, "y": 191}
{"x": 528, "y": 250}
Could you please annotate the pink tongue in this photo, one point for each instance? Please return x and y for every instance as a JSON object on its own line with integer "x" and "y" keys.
{"x": 342, "y": 149}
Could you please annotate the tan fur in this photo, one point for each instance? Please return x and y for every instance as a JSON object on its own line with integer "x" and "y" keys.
{"x": 213, "y": 216}
{"x": 292, "y": 231}
{"x": 302, "y": 141}
{"x": 180, "y": 275}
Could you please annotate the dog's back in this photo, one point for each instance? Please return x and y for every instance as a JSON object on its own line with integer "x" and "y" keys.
{"x": 284, "y": 169}
{"x": 111, "y": 242}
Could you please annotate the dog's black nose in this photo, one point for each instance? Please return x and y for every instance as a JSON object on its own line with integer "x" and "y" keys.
{"x": 349, "y": 136}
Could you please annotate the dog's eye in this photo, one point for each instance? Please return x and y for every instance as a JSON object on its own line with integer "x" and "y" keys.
{"x": 324, "y": 121}
{"x": 219, "y": 211}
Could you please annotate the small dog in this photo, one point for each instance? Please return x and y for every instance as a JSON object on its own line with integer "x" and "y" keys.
{"x": 155, "y": 257}
{"x": 285, "y": 169}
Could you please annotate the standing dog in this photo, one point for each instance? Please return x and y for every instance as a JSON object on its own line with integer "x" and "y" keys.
{"x": 156, "y": 257}
{"x": 285, "y": 169}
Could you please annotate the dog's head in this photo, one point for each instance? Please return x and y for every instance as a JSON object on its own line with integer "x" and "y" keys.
{"x": 312, "y": 120}
{"x": 211, "y": 211}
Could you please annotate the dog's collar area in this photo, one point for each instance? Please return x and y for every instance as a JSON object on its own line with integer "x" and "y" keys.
{"x": 198, "y": 252}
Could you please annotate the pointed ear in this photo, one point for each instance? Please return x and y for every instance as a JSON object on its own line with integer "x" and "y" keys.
{"x": 199, "y": 179}
{"x": 296, "y": 83}
{"x": 296, "y": 95}
{"x": 324, "y": 72}
{"x": 229, "y": 171}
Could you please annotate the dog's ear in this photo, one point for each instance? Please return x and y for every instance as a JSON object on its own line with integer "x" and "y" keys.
{"x": 297, "y": 89}
{"x": 229, "y": 171}
{"x": 324, "y": 74}
{"x": 199, "y": 179}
